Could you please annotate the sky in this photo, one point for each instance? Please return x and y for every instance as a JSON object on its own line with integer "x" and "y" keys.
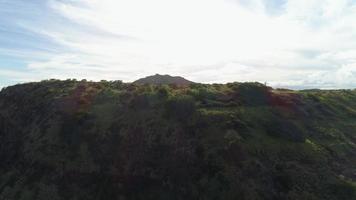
{"x": 297, "y": 44}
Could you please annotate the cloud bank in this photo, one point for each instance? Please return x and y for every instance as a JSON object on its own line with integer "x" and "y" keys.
{"x": 286, "y": 43}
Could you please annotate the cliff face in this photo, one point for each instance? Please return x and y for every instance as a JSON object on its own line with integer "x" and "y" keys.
{"x": 109, "y": 140}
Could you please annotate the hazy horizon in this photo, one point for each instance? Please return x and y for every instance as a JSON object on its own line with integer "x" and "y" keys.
{"x": 297, "y": 44}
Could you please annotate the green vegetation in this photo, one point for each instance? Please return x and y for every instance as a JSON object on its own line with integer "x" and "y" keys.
{"x": 111, "y": 140}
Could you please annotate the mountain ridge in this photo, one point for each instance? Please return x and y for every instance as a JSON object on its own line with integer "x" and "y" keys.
{"x": 163, "y": 80}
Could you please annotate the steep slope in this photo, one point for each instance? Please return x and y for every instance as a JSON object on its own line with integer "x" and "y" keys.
{"x": 164, "y": 80}
{"x": 109, "y": 140}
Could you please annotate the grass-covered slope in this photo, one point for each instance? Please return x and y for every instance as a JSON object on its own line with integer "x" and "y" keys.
{"x": 109, "y": 140}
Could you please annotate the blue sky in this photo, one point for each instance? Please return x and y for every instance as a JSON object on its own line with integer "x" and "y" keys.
{"x": 286, "y": 43}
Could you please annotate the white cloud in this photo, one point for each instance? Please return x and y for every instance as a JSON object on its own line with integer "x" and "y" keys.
{"x": 309, "y": 43}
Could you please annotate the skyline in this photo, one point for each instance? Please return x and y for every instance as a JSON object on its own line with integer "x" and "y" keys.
{"x": 295, "y": 44}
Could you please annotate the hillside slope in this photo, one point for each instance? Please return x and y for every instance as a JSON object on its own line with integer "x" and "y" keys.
{"x": 163, "y": 80}
{"x": 110, "y": 140}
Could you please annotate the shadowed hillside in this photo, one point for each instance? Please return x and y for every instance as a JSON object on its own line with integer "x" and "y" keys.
{"x": 82, "y": 140}
{"x": 164, "y": 79}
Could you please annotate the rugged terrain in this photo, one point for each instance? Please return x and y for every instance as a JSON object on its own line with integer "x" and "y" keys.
{"x": 112, "y": 140}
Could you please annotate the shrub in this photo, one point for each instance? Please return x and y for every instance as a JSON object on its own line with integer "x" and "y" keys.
{"x": 181, "y": 107}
